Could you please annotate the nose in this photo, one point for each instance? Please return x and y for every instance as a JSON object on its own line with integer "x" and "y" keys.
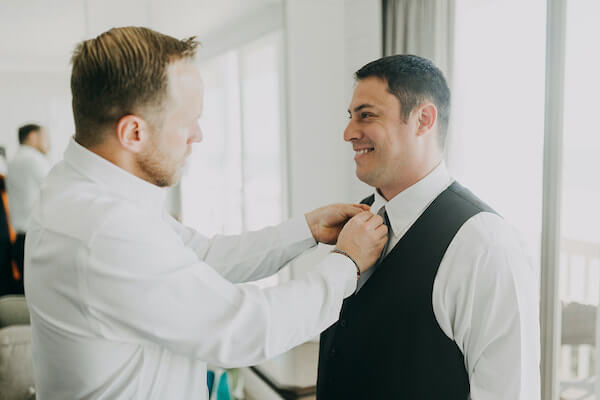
{"x": 352, "y": 131}
{"x": 196, "y": 136}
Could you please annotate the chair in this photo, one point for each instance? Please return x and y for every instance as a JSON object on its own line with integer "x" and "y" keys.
{"x": 13, "y": 311}
{"x": 16, "y": 368}
{"x": 580, "y": 349}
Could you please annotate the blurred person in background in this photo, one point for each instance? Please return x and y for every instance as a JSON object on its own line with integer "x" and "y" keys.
{"x": 25, "y": 174}
{"x": 10, "y": 276}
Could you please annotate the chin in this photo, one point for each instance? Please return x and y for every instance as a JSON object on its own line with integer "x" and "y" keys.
{"x": 366, "y": 177}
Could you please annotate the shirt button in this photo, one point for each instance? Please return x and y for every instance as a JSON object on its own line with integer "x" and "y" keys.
{"x": 343, "y": 323}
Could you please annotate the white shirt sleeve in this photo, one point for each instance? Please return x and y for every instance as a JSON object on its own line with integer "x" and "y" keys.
{"x": 154, "y": 290}
{"x": 252, "y": 255}
{"x": 485, "y": 299}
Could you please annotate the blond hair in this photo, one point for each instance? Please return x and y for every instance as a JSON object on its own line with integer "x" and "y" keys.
{"x": 122, "y": 71}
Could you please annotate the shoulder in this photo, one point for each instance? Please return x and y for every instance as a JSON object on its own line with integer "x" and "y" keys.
{"x": 73, "y": 205}
{"x": 486, "y": 263}
{"x": 486, "y": 232}
{"x": 486, "y": 250}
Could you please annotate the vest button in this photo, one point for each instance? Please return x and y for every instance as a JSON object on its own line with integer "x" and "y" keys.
{"x": 343, "y": 323}
{"x": 332, "y": 353}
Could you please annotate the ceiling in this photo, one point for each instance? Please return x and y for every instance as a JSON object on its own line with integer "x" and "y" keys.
{"x": 40, "y": 34}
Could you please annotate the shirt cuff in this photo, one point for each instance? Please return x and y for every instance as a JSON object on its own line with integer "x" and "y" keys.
{"x": 296, "y": 230}
{"x": 337, "y": 263}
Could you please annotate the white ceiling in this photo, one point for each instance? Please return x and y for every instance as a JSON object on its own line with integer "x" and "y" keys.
{"x": 41, "y": 34}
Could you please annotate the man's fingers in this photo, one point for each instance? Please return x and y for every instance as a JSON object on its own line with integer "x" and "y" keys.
{"x": 365, "y": 207}
{"x": 363, "y": 216}
{"x": 375, "y": 222}
{"x": 382, "y": 230}
{"x": 350, "y": 210}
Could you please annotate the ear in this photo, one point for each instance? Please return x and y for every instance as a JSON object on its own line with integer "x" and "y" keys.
{"x": 132, "y": 132}
{"x": 426, "y": 118}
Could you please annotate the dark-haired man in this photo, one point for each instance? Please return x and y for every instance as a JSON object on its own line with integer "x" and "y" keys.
{"x": 450, "y": 309}
{"x": 126, "y": 302}
{"x": 25, "y": 173}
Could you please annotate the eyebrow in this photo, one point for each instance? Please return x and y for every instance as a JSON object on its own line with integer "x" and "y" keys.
{"x": 362, "y": 106}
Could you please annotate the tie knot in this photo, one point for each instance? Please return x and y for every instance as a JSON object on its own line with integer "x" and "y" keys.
{"x": 383, "y": 214}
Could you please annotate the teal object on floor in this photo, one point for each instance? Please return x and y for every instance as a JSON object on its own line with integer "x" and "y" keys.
{"x": 223, "y": 392}
{"x": 210, "y": 381}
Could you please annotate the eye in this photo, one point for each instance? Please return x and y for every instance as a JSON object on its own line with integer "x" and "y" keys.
{"x": 364, "y": 115}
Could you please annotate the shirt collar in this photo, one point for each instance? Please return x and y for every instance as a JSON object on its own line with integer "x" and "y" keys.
{"x": 113, "y": 178}
{"x": 404, "y": 209}
{"x": 27, "y": 149}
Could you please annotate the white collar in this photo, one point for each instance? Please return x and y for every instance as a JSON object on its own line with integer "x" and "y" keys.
{"x": 404, "y": 209}
{"x": 113, "y": 178}
{"x": 27, "y": 149}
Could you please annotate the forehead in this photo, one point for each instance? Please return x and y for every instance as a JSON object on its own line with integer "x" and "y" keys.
{"x": 373, "y": 90}
{"x": 185, "y": 81}
{"x": 42, "y": 131}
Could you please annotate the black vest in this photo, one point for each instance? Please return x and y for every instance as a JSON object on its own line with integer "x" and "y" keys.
{"x": 387, "y": 343}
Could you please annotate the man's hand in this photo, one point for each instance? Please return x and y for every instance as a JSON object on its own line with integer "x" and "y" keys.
{"x": 327, "y": 222}
{"x": 363, "y": 239}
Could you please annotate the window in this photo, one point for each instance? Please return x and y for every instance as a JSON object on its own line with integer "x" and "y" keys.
{"x": 579, "y": 279}
{"x": 496, "y": 144}
{"x": 497, "y": 150}
{"x": 234, "y": 179}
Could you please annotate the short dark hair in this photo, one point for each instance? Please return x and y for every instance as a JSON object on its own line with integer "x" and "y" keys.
{"x": 25, "y": 130}
{"x": 412, "y": 79}
{"x": 122, "y": 71}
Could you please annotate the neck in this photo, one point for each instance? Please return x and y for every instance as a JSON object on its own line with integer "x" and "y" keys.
{"x": 111, "y": 150}
{"x": 409, "y": 178}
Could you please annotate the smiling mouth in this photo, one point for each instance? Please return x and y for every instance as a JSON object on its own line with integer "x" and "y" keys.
{"x": 361, "y": 152}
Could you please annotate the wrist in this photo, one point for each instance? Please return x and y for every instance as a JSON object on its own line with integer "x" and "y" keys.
{"x": 342, "y": 252}
{"x": 314, "y": 227}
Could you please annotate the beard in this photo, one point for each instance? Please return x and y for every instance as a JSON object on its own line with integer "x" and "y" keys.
{"x": 159, "y": 167}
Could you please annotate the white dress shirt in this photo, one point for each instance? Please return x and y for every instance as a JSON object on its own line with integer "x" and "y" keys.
{"x": 126, "y": 303}
{"x": 25, "y": 174}
{"x": 484, "y": 294}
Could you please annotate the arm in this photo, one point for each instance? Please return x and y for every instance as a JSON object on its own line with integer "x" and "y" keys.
{"x": 187, "y": 307}
{"x": 258, "y": 254}
{"x": 485, "y": 299}
{"x": 251, "y": 255}
{"x": 145, "y": 286}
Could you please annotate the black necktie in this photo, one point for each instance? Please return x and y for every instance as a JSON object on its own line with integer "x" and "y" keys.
{"x": 365, "y": 275}
{"x": 386, "y": 222}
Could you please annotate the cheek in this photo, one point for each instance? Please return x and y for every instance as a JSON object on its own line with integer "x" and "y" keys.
{"x": 177, "y": 140}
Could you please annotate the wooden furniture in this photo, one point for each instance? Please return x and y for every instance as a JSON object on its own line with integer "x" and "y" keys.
{"x": 291, "y": 376}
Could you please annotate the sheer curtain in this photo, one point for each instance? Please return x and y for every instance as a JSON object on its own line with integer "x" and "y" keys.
{"x": 234, "y": 179}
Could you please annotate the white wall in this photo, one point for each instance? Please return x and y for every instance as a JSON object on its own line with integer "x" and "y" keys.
{"x": 35, "y": 96}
